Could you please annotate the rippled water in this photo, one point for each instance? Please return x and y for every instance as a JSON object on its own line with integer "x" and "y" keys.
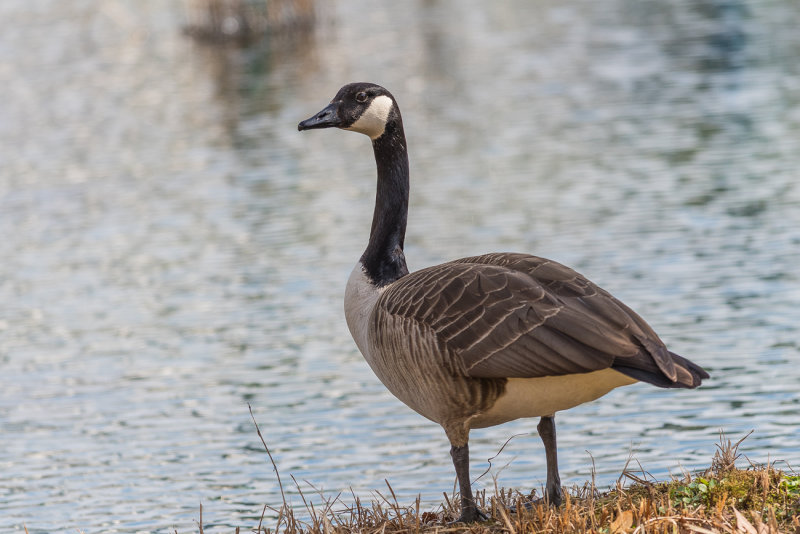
{"x": 174, "y": 250}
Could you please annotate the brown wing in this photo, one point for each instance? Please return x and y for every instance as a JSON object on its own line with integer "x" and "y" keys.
{"x": 515, "y": 315}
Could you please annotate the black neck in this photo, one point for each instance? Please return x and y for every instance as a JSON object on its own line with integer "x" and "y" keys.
{"x": 383, "y": 259}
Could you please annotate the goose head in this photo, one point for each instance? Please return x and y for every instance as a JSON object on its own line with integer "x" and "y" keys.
{"x": 361, "y": 107}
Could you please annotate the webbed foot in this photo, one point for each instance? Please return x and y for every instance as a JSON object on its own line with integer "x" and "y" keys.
{"x": 470, "y": 515}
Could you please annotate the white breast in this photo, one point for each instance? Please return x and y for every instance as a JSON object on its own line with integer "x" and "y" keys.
{"x": 360, "y": 296}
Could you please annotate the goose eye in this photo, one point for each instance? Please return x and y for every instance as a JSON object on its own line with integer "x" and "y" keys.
{"x": 361, "y": 97}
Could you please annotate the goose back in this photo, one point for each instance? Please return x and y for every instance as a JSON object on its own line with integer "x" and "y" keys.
{"x": 517, "y": 315}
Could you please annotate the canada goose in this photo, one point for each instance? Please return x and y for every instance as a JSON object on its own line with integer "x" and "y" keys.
{"x": 484, "y": 340}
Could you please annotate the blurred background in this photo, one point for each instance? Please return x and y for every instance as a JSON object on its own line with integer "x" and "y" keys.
{"x": 173, "y": 249}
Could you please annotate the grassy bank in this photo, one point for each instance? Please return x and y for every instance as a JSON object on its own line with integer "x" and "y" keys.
{"x": 757, "y": 499}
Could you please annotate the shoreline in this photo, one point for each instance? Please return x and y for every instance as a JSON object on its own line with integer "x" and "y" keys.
{"x": 723, "y": 498}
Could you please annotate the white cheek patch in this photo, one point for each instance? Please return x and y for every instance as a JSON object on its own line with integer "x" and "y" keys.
{"x": 373, "y": 121}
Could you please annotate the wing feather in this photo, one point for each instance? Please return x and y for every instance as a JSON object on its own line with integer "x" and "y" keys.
{"x": 516, "y": 315}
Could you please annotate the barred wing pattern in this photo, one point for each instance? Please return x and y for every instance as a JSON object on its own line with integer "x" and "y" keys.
{"x": 520, "y": 316}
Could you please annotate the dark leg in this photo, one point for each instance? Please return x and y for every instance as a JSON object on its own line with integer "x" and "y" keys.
{"x": 469, "y": 510}
{"x": 547, "y": 431}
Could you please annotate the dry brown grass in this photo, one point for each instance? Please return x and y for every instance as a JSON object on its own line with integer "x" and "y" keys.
{"x": 759, "y": 499}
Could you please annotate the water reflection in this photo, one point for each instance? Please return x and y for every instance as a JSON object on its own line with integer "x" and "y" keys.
{"x": 175, "y": 250}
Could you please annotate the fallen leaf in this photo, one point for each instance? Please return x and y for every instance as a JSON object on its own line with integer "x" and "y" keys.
{"x": 428, "y": 517}
{"x": 622, "y": 523}
{"x": 742, "y": 524}
{"x": 701, "y": 530}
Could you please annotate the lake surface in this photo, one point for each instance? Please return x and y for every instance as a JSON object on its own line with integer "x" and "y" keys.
{"x": 173, "y": 249}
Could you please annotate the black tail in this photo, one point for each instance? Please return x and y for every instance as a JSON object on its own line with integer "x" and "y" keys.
{"x": 690, "y": 375}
